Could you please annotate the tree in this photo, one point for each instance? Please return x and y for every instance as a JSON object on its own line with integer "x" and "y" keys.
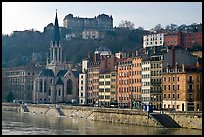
{"x": 158, "y": 27}
{"x": 9, "y": 97}
{"x": 126, "y": 24}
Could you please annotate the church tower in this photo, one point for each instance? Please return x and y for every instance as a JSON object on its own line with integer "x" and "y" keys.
{"x": 55, "y": 61}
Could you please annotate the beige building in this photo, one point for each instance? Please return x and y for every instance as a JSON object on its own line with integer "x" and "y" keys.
{"x": 182, "y": 88}
{"x": 92, "y": 34}
{"x": 19, "y": 81}
{"x": 107, "y": 88}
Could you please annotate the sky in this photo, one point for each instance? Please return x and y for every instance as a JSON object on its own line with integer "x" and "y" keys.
{"x": 37, "y": 15}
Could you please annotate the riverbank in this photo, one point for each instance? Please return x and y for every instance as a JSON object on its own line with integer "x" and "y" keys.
{"x": 125, "y": 116}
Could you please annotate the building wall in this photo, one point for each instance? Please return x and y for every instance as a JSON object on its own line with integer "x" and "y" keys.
{"x": 177, "y": 93}
{"x": 78, "y": 24}
{"x": 155, "y": 84}
{"x": 136, "y": 81}
{"x": 174, "y": 39}
{"x": 152, "y": 40}
{"x": 146, "y": 73}
{"x": 20, "y": 82}
{"x": 82, "y": 88}
{"x": 192, "y": 39}
{"x": 124, "y": 82}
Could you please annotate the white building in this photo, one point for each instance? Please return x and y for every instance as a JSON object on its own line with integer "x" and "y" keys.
{"x": 121, "y": 55}
{"x": 146, "y": 73}
{"x": 83, "y": 83}
{"x": 153, "y": 40}
{"x": 92, "y": 34}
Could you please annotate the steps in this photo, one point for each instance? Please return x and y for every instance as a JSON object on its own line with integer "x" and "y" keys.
{"x": 60, "y": 112}
{"x": 25, "y": 108}
{"x": 165, "y": 120}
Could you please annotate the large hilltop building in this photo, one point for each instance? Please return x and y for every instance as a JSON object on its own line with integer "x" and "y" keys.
{"x": 102, "y": 23}
{"x": 55, "y": 83}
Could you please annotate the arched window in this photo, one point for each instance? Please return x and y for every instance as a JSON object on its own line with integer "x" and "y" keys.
{"x": 41, "y": 85}
{"x": 69, "y": 87}
{"x": 49, "y": 91}
{"x": 45, "y": 85}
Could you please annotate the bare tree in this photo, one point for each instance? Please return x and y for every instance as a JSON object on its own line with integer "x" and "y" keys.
{"x": 126, "y": 24}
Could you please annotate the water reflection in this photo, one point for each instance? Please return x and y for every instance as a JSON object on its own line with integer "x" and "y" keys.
{"x": 32, "y": 124}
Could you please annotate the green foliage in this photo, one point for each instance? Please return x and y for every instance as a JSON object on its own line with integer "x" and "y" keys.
{"x": 9, "y": 97}
{"x": 18, "y": 48}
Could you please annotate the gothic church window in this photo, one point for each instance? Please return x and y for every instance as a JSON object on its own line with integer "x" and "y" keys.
{"x": 69, "y": 87}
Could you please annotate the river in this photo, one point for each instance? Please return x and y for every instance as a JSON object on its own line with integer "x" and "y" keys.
{"x": 14, "y": 123}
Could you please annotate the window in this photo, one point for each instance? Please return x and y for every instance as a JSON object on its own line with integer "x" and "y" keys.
{"x": 177, "y": 87}
{"x": 169, "y": 95}
{"x": 164, "y": 95}
{"x": 69, "y": 87}
{"x": 172, "y": 78}
{"x": 164, "y": 78}
{"x": 164, "y": 87}
{"x": 173, "y": 88}
{"x": 177, "y": 106}
{"x": 178, "y": 78}
{"x": 177, "y": 96}
{"x": 169, "y": 87}
{"x": 45, "y": 86}
{"x": 81, "y": 88}
{"x": 49, "y": 92}
{"x": 173, "y": 96}
{"x": 164, "y": 105}
{"x": 41, "y": 85}
{"x": 169, "y": 79}
{"x": 59, "y": 92}
{"x": 198, "y": 87}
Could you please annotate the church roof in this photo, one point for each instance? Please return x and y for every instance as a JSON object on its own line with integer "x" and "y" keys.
{"x": 59, "y": 81}
{"x": 46, "y": 72}
{"x": 61, "y": 73}
{"x": 76, "y": 73}
{"x": 57, "y": 34}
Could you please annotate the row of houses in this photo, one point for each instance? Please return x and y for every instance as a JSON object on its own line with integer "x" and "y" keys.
{"x": 168, "y": 78}
{"x": 185, "y": 39}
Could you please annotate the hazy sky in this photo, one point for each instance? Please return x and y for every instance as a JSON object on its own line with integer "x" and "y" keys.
{"x": 37, "y": 15}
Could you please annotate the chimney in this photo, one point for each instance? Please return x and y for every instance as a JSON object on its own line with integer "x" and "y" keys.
{"x": 183, "y": 67}
{"x": 89, "y": 55}
{"x": 197, "y": 63}
{"x": 136, "y": 53}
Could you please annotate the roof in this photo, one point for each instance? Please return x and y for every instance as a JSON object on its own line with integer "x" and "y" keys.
{"x": 59, "y": 81}
{"x": 75, "y": 73}
{"x": 46, "y": 72}
{"x": 61, "y": 73}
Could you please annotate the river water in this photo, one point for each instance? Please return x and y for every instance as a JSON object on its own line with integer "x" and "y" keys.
{"x": 14, "y": 123}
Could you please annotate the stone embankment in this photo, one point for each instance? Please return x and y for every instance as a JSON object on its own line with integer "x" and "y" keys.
{"x": 125, "y": 116}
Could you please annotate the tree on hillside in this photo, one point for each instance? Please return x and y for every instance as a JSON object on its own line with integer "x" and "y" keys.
{"x": 126, "y": 24}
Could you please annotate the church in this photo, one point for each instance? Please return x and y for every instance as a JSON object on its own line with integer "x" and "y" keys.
{"x": 56, "y": 83}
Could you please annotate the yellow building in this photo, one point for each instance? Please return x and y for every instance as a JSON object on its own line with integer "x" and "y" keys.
{"x": 182, "y": 88}
{"x": 107, "y": 88}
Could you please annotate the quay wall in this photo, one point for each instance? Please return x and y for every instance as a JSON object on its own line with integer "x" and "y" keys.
{"x": 187, "y": 119}
{"x": 125, "y": 116}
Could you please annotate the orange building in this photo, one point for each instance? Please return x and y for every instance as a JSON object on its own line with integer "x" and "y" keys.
{"x": 182, "y": 88}
{"x": 173, "y": 39}
{"x": 124, "y": 82}
{"x": 136, "y": 82}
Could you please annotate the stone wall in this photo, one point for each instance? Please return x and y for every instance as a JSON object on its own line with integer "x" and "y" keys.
{"x": 188, "y": 120}
{"x": 125, "y": 116}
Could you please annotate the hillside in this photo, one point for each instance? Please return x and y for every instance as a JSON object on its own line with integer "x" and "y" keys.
{"x": 17, "y": 48}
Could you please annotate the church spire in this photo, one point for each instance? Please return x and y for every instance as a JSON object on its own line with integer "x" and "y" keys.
{"x": 56, "y": 30}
